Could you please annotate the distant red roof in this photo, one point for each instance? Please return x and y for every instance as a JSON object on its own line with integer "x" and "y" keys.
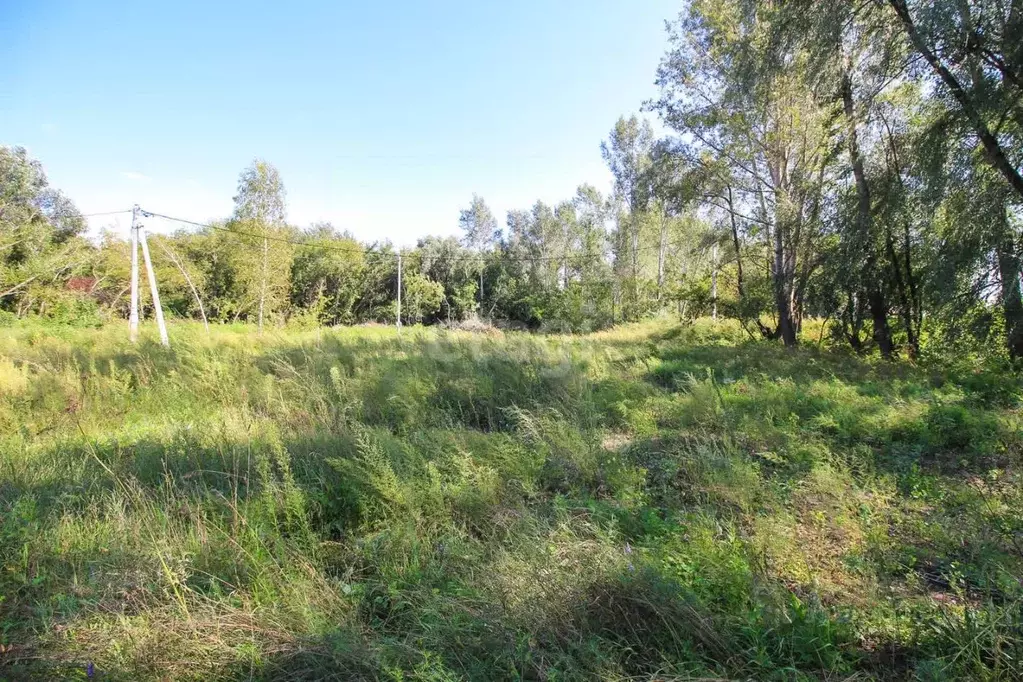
{"x": 82, "y": 284}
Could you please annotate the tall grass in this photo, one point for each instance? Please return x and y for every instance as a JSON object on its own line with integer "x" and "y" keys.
{"x": 650, "y": 502}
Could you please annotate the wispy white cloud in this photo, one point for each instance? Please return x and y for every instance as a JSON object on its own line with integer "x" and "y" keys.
{"x": 135, "y": 176}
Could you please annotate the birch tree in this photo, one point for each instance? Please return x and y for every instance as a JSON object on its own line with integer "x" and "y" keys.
{"x": 260, "y": 219}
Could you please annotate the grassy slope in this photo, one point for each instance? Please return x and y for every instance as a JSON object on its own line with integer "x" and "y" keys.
{"x": 644, "y": 502}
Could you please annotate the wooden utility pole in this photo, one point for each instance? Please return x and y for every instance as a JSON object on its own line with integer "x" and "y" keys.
{"x": 399, "y": 291}
{"x": 133, "y": 316}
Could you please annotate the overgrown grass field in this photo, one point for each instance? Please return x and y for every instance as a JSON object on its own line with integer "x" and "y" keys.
{"x": 653, "y": 502}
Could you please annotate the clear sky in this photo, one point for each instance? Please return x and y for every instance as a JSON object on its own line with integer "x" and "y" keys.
{"x": 383, "y": 117}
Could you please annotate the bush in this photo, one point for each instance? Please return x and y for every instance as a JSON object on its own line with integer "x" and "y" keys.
{"x": 74, "y": 311}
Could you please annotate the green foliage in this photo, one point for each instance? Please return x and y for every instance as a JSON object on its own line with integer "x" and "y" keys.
{"x": 74, "y": 311}
{"x": 422, "y": 297}
{"x": 327, "y": 277}
{"x": 557, "y": 268}
{"x": 821, "y": 162}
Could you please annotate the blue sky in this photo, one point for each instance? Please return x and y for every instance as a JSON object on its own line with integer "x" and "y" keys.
{"x": 382, "y": 117}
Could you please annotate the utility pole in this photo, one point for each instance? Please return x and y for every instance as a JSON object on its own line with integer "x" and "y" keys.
{"x": 399, "y": 291}
{"x": 133, "y": 316}
{"x": 151, "y": 274}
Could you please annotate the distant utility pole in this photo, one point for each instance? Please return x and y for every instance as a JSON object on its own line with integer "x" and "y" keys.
{"x": 399, "y": 291}
{"x": 138, "y": 234}
{"x": 133, "y": 317}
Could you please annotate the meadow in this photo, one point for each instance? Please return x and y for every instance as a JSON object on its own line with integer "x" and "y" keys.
{"x": 653, "y": 502}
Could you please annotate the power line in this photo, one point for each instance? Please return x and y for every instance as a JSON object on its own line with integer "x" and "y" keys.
{"x": 272, "y": 238}
{"x": 370, "y": 252}
{"x": 256, "y": 247}
{"x": 102, "y": 213}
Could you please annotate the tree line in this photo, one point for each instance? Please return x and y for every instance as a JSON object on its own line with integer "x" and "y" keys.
{"x": 857, "y": 162}
{"x": 577, "y": 265}
{"x": 864, "y": 159}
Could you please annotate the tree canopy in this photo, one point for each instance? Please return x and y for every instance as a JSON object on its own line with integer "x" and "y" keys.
{"x": 858, "y": 163}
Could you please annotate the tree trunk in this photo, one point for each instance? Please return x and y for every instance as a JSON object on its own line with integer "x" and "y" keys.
{"x": 262, "y": 286}
{"x": 661, "y": 248}
{"x": 879, "y": 318}
{"x": 740, "y": 285}
{"x": 635, "y": 262}
{"x": 992, "y": 148}
{"x": 1012, "y": 302}
{"x": 905, "y": 297}
{"x": 782, "y": 291}
{"x": 851, "y": 323}
{"x": 875, "y": 295}
{"x": 738, "y": 252}
{"x": 714, "y": 283}
{"x": 916, "y": 306}
{"x": 902, "y": 264}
